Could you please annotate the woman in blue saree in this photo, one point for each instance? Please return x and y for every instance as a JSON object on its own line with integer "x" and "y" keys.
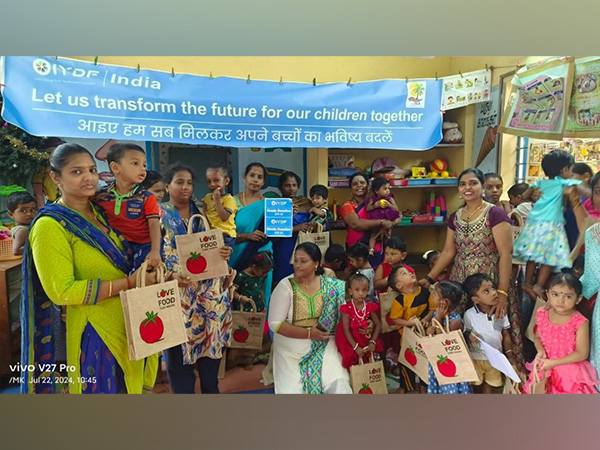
{"x": 249, "y": 223}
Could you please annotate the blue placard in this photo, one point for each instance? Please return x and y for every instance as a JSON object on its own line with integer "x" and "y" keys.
{"x": 80, "y": 99}
{"x": 279, "y": 217}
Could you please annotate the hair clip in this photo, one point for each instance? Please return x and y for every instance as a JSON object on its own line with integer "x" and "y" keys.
{"x": 259, "y": 257}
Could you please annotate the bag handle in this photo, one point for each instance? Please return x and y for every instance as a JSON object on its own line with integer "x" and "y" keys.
{"x": 436, "y": 322}
{"x": 536, "y": 377}
{"x": 254, "y": 310}
{"x": 420, "y": 330}
{"x": 140, "y": 280}
{"x": 191, "y": 223}
{"x": 319, "y": 227}
{"x": 371, "y": 359}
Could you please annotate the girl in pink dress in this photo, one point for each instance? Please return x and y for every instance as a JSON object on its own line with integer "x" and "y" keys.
{"x": 355, "y": 314}
{"x": 562, "y": 341}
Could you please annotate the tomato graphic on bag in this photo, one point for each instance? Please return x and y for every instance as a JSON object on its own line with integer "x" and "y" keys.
{"x": 365, "y": 389}
{"x": 410, "y": 357}
{"x": 195, "y": 263}
{"x": 446, "y": 366}
{"x": 151, "y": 328}
{"x": 241, "y": 334}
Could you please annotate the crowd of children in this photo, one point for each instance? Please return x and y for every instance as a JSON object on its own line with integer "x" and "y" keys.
{"x": 562, "y": 341}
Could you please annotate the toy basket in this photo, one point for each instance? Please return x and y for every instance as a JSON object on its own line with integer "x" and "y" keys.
{"x": 6, "y": 250}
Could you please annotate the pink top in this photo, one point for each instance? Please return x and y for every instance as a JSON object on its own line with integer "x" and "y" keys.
{"x": 558, "y": 340}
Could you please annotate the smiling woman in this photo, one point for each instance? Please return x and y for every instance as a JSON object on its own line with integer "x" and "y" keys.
{"x": 479, "y": 240}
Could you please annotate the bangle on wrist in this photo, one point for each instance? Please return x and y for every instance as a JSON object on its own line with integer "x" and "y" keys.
{"x": 109, "y": 288}
{"x": 309, "y": 332}
{"x": 429, "y": 279}
{"x": 128, "y": 283}
{"x": 500, "y": 291}
{"x": 508, "y": 351}
{"x": 372, "y": 342}
{"x": 355, "y": 347}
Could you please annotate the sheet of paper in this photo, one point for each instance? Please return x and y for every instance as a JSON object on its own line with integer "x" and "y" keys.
{"x": 498, "y": 360}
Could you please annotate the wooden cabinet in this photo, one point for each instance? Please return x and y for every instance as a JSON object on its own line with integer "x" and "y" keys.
{"x": 10, "y": 332}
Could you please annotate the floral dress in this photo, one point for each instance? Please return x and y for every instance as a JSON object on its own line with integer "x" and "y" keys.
{"x": 476, "y": 252}
{"x": 206, "y": 307}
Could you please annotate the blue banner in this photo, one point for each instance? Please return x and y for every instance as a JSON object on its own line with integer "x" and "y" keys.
{"x": 63, "y": 97}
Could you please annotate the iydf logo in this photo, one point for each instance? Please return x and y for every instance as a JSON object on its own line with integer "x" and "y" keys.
{"x": 41, "y": 66}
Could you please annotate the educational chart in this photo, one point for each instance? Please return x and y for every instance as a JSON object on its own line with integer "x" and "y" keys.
{"x": 538, "y": 100}
{"x": 485, "y": 142}
{"x": 540, "y": 104}
{"x": 465, "y": 89}
{"x": 583, "y": 118}
{"x": 583, "y": 150}
{"x": 48, "y": 97}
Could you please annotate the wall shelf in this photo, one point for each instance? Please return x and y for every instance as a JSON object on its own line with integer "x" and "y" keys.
{"x": 422, "y": 186}
{"x": 341, "y": 225}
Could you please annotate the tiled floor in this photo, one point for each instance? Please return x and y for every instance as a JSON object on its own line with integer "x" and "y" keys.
{"x": 237, "y": 380}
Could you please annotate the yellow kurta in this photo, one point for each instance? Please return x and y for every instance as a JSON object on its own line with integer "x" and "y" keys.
{"x": 70, "y": 272}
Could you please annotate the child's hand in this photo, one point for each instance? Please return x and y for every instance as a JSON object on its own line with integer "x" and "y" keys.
{"x": 295, "y": 209}
{"x": 371, "y": 347}
{"x": 430, "y": 330}
{"x": 182, "y": 281}
{"x": 425, "y": 323}
{"x": 360, "y": 351}
{"x": 546, "y": 364}
{"x": 541, "y": 355}
{"x": 442, "y": 311}
{"x": 153, "y": 259}
{"x": 216, "y": 195}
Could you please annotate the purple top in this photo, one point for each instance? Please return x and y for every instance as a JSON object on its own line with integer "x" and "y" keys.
{"x": 496, "y": 215}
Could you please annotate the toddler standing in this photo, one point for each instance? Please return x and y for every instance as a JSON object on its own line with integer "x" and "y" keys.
{"x": 446, "y": 297}
{"x": 543, "y": 239}
{"x": 220, "y": 207}
{"x": 562, "y": 341}
{"x": 479, "y": 322}
{"x": 22, "y": 208}
{"x": 413, "y": 303}
{"x": 358, "y": 257}
{"x": 355, "y": 315}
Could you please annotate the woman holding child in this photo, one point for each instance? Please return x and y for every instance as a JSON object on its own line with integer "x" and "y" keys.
{"x": 479, "y": 240}
{"x": 73, "y": 258}
{"x": 356, "y": 217}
